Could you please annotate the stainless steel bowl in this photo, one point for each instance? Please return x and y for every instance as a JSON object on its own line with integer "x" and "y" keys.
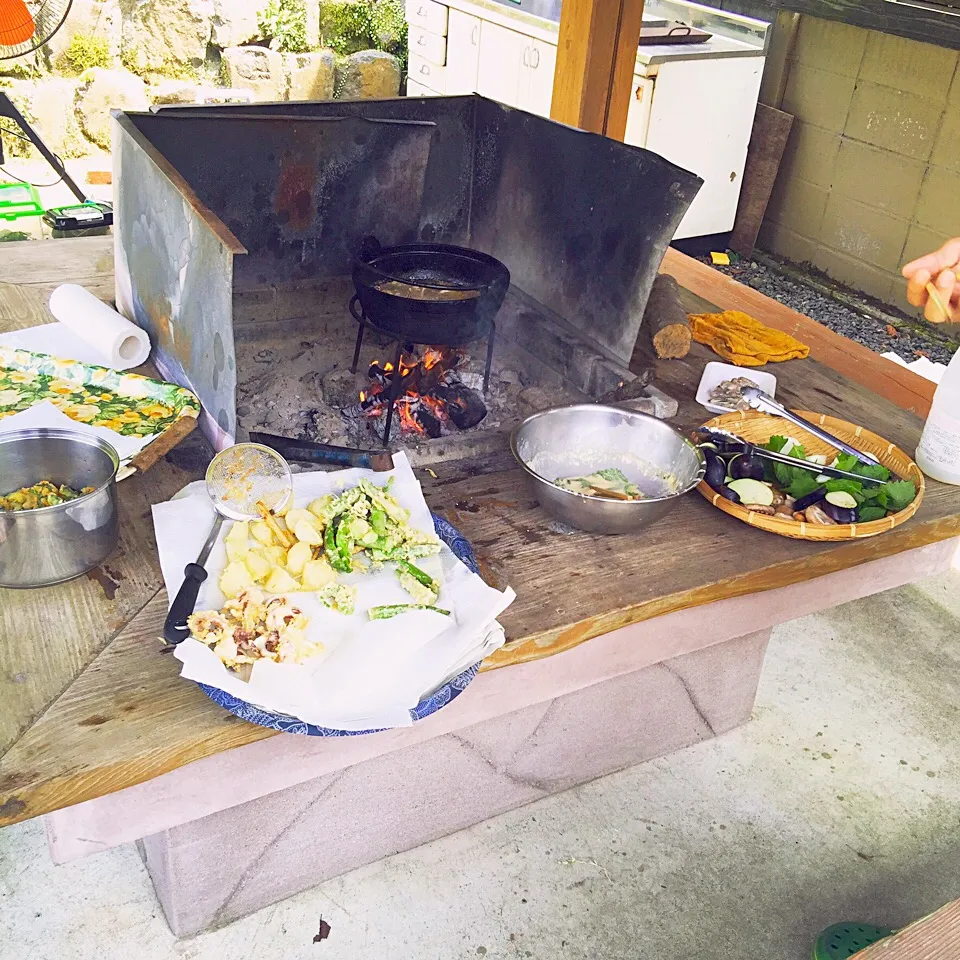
{"x": 52, "y": 544}
{"x": 577, "y": 440}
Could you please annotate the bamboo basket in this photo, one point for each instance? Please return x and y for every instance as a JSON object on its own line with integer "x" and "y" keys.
{"x": 758, "y": 428}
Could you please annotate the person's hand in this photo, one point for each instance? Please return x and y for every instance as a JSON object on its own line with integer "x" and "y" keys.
{"x": 942, "y": 268}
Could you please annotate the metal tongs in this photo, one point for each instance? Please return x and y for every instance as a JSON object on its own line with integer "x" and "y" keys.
{"x": 766, "y": 404}
{"x": 754, "y": 451}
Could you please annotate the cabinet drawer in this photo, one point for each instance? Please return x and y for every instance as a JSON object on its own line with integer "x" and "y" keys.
{"x": 427, "y": 74}
{"x": 428, "y": 14}
{"x": 415, "y": 89}
{"x": 430, "y": 46}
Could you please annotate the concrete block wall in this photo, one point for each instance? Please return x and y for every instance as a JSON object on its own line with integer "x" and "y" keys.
{"x": 871, "y": 174}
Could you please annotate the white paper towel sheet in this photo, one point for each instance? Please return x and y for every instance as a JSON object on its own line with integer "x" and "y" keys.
{"x": 87, "y": 330}
{"x": 372, "y": 672}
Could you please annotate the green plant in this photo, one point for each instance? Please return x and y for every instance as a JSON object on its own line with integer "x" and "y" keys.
{"x": 348, "y": 26}
{"x": 83, "y": 51}
{"x": 284, "y": 24}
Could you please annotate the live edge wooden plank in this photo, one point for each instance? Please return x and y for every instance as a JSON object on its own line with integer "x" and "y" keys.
{"x": 129, "y": 717}
{"x": 904, "y": 387}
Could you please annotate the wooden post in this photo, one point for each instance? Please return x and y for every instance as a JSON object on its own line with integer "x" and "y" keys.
{"x": 596, "y": 58}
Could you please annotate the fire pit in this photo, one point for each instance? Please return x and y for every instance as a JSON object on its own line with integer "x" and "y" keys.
{"x": 238, "y": 231}
{"x": 433, "y": 294}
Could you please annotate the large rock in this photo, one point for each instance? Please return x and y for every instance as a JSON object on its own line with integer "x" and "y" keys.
{"x": 235, "y": 21}
{"x": 310, "y": 75}
{"x": 168, "y": 37}
{"x": 101, "y": 91}
{"x": 256, "y": 69}
{"x": 173, "y": 91}
{"x": 100, "y": 19}
{"x": 369, "y": 74}
{"x": 48, "y": 106}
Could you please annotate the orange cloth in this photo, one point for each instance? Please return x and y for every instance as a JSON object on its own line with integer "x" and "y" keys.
{"x": 741, "y": 340}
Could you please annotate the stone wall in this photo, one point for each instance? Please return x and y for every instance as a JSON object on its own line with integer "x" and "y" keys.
{"x": 871, "y": 175}
{"x": 130, "y": 54}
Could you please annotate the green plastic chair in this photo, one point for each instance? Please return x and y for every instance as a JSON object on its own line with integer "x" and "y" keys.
{"x": 844, "y": 940}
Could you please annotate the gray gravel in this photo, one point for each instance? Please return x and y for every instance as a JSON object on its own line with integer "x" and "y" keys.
{"x": 840, "y": 318}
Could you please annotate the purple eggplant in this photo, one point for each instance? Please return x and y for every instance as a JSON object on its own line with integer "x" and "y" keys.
{"x": 716, "y": 471}
{"x": 809, "y": 500}
{"x": 728, "y": 494}
{"x": 838, "y": 514}
{"x": 746, "y": 467}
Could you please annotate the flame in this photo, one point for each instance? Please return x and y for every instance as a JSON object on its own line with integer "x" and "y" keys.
{"x": 363, "y": 396}
{"x": 387, "y": 367}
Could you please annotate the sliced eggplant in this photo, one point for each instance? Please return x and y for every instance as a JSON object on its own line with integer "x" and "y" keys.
{"x": 728, "y": 494}
{"x": 716, "y": 470}
{"x": 753, "y": 491}
{"x": 809, "y": 500}
{"x": 838, "y": 514}
{"x": 842, "y": 499}
{"x": 745, "y": 467}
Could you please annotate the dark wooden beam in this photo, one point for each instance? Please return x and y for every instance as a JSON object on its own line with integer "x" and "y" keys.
{"x": 596, "y": 59}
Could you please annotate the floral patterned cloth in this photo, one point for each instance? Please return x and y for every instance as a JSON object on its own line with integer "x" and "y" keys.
{"x": 126, "y": 403}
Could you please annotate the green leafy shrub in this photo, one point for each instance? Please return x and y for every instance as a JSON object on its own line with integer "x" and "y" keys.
{"x": 348, "y": 26}
{"x": 83, "y": 52}
{"x": 284, "y": 24}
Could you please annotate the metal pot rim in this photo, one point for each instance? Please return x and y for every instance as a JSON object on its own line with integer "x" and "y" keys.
{"x": 627, "y": 504}
{"x": 34, "y": 433}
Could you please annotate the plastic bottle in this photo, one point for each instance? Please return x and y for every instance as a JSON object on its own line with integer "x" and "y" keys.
{"x": 938, "y": 454}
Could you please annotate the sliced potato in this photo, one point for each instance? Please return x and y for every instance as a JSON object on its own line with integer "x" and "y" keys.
{"x": 280, "y": 581}
{"x": 317, "y": 574}
{"x": 262, "y": 532}
{"x": 275, "y": 554}
{"x": 236, "y": 549}
{"x": 297, "y": 556}
{"x": 296, "y": 515}
{"x": 235, "y": 578}
{"x": 238, "y": 532}
{"x": 258, "y": 565}
{"x": 306, "y": 532}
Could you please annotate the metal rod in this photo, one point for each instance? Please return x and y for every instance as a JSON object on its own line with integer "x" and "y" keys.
{"x": 491, "y": 337}
{"x": 7, "y": 109}
{"x": 393, "y": 393}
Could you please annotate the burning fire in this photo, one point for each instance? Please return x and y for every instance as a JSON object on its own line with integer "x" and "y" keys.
{"x": 431, "y": 394}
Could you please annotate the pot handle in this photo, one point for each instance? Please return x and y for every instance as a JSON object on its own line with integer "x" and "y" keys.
{"x": 370, "y": 249}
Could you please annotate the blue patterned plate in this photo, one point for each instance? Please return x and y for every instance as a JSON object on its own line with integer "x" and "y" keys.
{"x": 452, "y": 537}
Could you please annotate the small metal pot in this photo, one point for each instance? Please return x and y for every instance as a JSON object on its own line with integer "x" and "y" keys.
{"x": 578, "y": 440}
{"x": 52, "y": 544}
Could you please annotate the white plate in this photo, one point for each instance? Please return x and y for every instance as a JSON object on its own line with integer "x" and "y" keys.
{"x": 714, "y": 373}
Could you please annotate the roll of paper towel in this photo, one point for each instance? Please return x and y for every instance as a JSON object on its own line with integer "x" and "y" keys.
{"x": 122, "y": 343}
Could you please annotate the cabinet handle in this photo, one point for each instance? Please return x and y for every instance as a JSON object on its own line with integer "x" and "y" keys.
{"x": 535, "y": 63}
{"x": 421, "y": 11}
{"x": 475, "y": 35}
{"x": 526, "y": 56}
{"x": 421, "y": 41}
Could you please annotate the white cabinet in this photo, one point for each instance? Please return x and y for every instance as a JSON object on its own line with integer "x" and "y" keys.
{"x": 707, "y": 133}
{"x": 500, "y": 63}
{"x": 430, "y": 46}
{"x": 426, "y": 73}
{"x": 536, "y": 79}
{"x": 638, "y": 113}
{"x": 463, "y": 52}
{"x": 429, "y": 14}
{"x": 516, "y": 69}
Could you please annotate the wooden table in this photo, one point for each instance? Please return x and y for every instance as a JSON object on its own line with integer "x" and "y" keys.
{"x": 89, "y": 706}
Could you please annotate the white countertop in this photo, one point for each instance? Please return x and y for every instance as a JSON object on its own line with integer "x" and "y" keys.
{"x": 548, "y": 31}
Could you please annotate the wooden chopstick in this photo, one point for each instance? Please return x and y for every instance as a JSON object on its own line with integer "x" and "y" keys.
{"x": 943, "y": 308}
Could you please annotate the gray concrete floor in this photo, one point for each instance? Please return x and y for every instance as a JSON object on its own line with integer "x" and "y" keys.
{"x": 840, "y": 800}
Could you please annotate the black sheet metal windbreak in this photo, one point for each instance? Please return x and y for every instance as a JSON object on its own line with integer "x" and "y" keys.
{"x": 216, "y": 200}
